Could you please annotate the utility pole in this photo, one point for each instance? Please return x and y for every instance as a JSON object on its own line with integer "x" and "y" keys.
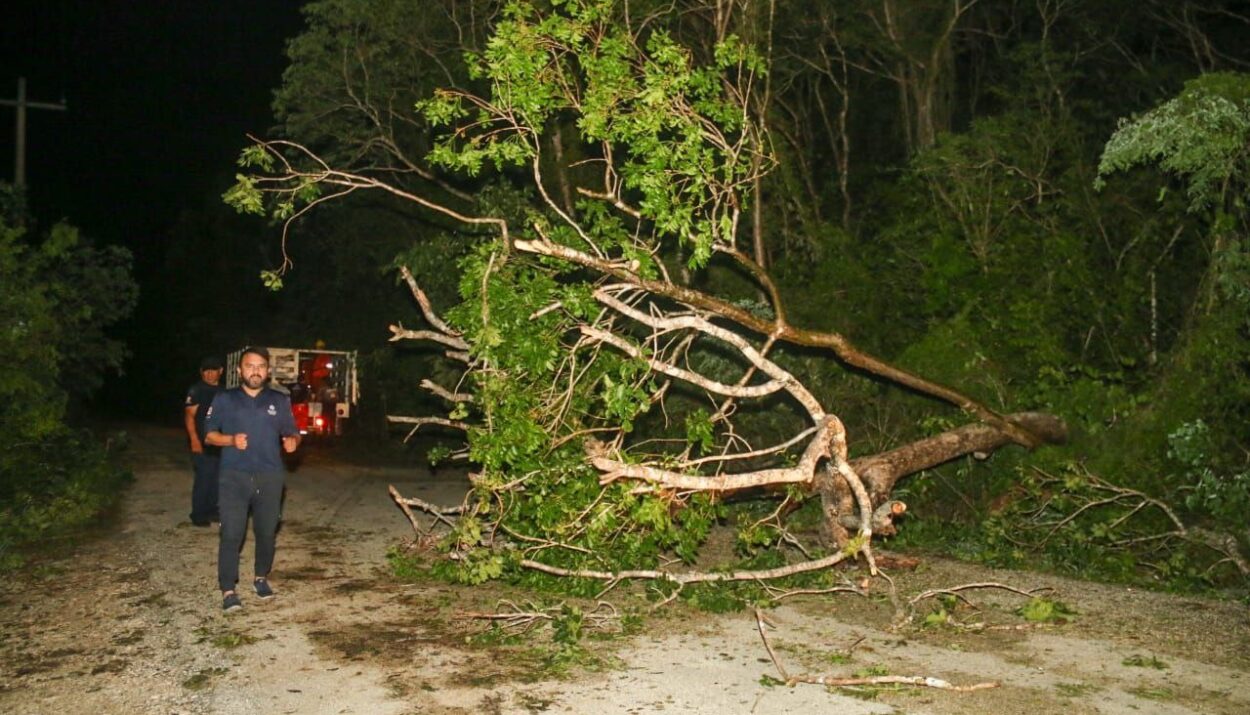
{"x": 22, "y": 104}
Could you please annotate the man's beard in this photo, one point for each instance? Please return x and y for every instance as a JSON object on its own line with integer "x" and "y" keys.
{"x": 254, "y": 382}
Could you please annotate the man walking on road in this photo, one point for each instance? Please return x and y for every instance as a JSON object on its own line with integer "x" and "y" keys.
{"x": 204, "y": 458}
{"x": 251, "y": 423}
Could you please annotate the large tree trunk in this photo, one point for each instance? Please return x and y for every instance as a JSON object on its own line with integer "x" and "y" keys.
{"x": 880, "y": 472}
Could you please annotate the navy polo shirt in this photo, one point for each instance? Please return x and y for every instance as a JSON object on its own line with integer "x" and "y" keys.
{"x": 200, "y": 396}
{"x": 265, "y": 419}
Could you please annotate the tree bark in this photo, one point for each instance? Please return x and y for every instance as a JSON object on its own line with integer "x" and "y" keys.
{"x": 880, "y": 472}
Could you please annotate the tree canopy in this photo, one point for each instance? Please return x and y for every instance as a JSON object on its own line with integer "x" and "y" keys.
{"x": 670, "y": 223}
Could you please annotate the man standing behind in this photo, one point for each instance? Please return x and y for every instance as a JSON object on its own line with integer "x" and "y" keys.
{"x": 204, "y": 458}
{"x": 249, "y": 423}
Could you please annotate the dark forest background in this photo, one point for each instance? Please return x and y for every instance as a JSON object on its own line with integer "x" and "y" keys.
{"x": 936, "y": 199}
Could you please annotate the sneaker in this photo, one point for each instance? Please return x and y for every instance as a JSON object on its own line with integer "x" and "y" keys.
{"x": 263, "y": 591}
{"x": 231, "y": 603}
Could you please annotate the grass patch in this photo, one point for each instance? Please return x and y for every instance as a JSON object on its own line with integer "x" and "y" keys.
{"x": 1076, "y": 690}
{"x": 1142, "y": 691}
{"x": 230, "y": 641}
{"x": 204, "y": 678}
{"x": 226, "y": 640}
{"x": 58, "y": 489}
{"x": 1142, "y": 661}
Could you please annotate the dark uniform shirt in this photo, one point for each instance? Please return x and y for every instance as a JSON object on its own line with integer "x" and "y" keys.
{"x": 200, "y": 395}
{"x": 265, "y": 419}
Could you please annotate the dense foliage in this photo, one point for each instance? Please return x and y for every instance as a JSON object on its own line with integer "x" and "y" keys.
{"x": 944, "y": 182}
{"x": 58, "y": 294}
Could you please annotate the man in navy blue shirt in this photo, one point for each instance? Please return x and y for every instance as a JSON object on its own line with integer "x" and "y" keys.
{"x": 204, "y": 458}
{"x": 252, "y": 424}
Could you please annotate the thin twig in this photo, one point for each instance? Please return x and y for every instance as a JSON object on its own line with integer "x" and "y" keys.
{"x": 839, "y": 682}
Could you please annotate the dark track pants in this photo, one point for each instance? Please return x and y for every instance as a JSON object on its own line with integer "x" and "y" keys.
{"x": 204, "y": 488}
{"x": 241, "y": 492}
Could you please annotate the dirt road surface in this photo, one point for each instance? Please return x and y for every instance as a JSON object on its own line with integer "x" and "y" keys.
{"x": 129, "y": 622}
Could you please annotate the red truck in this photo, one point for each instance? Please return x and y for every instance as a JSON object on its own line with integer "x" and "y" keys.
{"x": 322, "y": 385}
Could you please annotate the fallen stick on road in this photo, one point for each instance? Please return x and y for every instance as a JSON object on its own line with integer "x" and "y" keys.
{"x": 838, "y": 682}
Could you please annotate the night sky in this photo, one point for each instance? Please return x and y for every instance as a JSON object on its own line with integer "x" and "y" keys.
{"x": 160, "y": 94}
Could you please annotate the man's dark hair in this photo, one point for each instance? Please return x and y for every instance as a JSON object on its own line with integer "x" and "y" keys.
{"x": 263, "y": 352}
{"x": 212, "y": 362}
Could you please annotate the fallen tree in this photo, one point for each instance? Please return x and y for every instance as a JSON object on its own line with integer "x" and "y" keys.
{"x": 580, "y": 320}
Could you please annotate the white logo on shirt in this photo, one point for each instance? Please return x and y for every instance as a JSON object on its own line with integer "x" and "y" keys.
{"x": 209, "y": 413}
{"x": 273, "y": 411}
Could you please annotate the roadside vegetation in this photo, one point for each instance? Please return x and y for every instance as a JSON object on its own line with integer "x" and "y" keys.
{"x": 58, "y": 296}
